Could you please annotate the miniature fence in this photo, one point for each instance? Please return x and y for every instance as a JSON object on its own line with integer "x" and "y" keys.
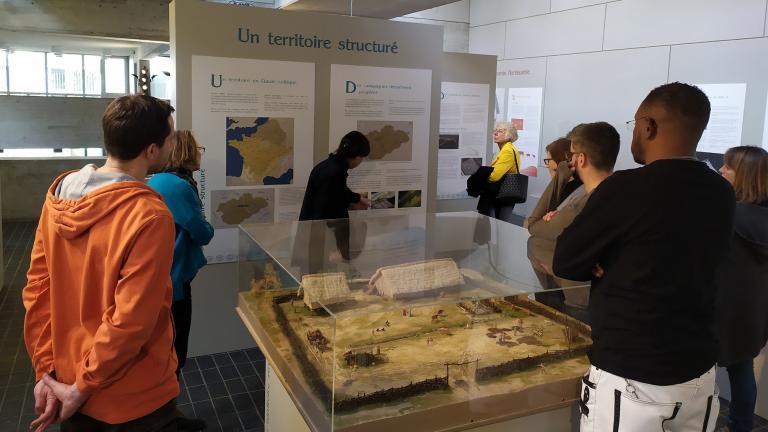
{"x": 392, "y": 394}
{"x": 523, "y": 364}
{"x": 310, "y": 372}
{"x": 546, "y": 311}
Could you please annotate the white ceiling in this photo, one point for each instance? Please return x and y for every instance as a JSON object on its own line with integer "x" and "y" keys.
{"x": 122, "y": 27}
{"x": 38, "y": 41}
{"x": 366, "y": 8}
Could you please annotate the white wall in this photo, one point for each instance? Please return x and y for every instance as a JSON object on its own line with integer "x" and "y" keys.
{"x": 454, "y": 17}
{"x": 25, "y": 183}
{"x": 51, "y": 122}
{"x": 598, "y": 59}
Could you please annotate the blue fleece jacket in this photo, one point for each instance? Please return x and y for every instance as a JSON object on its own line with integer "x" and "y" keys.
{"x": 192, "y": 230}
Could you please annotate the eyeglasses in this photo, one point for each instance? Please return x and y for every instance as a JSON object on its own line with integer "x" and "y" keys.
{"x": 570, "y": 154}
{"x": 631, "y": 124}
{"x": 547, "y": 161}
{"x": 201, "y": 149}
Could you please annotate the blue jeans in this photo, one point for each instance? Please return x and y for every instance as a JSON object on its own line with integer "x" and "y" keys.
{"x": 743, "y": 396}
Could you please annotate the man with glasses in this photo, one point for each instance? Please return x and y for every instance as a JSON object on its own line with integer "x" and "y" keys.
{"x": 650, "y": 240}
{"x": 593, "y": 153}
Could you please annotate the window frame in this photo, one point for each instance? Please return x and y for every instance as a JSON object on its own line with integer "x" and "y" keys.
{"x": 6, "y": 75}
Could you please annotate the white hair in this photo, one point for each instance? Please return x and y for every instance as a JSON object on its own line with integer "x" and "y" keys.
{"x": 510, "y": 130}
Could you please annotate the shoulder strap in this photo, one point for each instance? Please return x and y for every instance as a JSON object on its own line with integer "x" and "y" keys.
{"x": 514, "y": 157}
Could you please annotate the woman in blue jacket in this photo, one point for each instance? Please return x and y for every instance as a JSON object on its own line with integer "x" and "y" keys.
{"x": 179, "y": 191}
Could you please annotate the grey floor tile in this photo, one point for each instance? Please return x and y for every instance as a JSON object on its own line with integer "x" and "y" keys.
{"x": 217, "y": 390}
{"x": 253, "y": 383}
{"x": 212, "y": 375}
{"x": 193, "y": 378}
{"x": 246, "y": 369}
{"x": 205, "y": 362}
{"x": 213, "y": 425}
{"x": 251, "y": 419}
{"x": 243, "y": 402}
{"x": 11, "y": 409}
{"x": 198, "y": 394}
{"x": 239, "y": 357}
{"x": 235, "y": 386}
{"x": 190, "y": 365}
{"x": 183, "y": 397}
{"x": 222, "y": 359}
{"x": 17, "y": 392}
{"x": 258, "y": 400}
{"x": 26, "y": 421}
{"x": 255, "y": 354}
{"x": 187, "y": 410}
{"x": 223, "y": 406}
{"x": 229, "y": 372}
{"x": 18, "y": 378}
{"x": 9, "y": 423}
{"x": 204, "y": 409}
{"x": 230, "y": 423}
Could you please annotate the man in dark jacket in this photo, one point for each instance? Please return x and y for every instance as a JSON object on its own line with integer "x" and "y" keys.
{"x": 327, "y": 195}
{"x": 653, "y": 238}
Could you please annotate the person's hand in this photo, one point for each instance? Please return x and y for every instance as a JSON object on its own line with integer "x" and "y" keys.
{"x": 598, "y": 271}
{"x": 46, "y": 407}
{"x": 71, "y": 399}
{"x": 334, "y": 257}
{"x": 548, "y": 217}
{"x": 363, "y": 204}
{"x": 546, "y": 268}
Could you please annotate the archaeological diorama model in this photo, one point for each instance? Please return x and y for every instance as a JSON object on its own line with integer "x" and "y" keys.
{"x": 416, "y": 336}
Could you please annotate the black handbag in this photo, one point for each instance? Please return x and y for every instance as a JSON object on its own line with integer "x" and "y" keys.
{"x": 513, "y": 188}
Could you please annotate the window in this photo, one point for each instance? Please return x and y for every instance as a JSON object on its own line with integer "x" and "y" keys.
{"x": 115, "y": 75}
{"x": 160, "y": 87}
{"x": 3, "y": 71}
{"x": 40, "y": 73}
{"x": 92, "y": 70}
{"x": 65, "y": 73}
{"x": 26, "y": 72}
{"x": 50, "y": 153}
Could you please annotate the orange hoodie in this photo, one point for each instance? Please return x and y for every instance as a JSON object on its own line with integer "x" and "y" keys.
{"x": 98, "y": 299}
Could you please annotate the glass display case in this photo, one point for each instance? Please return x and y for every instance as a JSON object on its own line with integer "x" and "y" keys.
{"x": 419, "y": 322}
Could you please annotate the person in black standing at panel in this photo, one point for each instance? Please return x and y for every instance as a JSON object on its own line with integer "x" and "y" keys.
{"x": 327, "y": 195}
{"x": 651, "y": 239}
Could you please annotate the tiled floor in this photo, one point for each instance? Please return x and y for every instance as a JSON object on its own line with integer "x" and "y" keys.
{"x": 226, "y": 389}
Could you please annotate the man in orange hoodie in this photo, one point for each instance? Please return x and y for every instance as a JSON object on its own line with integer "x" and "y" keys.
{"x": 98, "y": 325}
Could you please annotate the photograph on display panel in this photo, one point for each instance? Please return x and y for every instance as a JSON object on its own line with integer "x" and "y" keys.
{"x": 391, "y": 141}
{"x": 259, "y": 151}
{"x": 470, "y": 166}
{"x": 382, "y": 200}
{"x": 409, "y": 199}
{"x": 448, "y": 142}
{"x": 233, "y": 207}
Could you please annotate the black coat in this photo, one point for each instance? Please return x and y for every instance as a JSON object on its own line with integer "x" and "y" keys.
{"x": 327, "y": 195}
{"x": 478, "y": 185}
{"x": 742, "y": 282}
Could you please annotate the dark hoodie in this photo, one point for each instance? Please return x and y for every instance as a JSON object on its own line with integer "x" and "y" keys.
{"x": 742, "y": 287}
